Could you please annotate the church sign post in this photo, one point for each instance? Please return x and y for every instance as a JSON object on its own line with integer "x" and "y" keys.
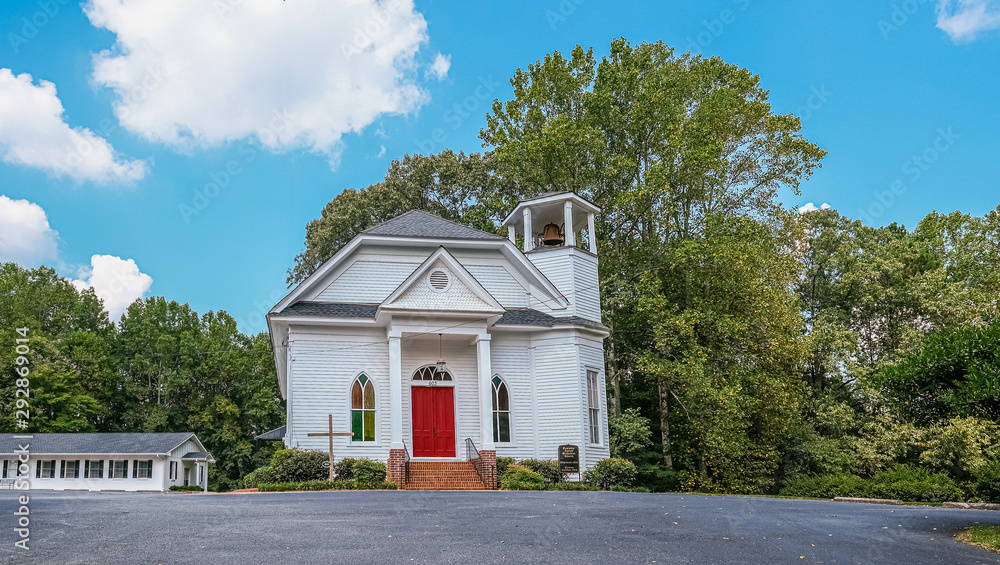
{"x": 569, "y": 459}
{"x": 330, "y": 434}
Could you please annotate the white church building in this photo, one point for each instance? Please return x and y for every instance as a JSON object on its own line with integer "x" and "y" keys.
{"x": 439, "y": 345}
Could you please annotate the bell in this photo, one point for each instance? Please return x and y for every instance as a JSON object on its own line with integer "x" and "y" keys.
{"x": 551, "y": 235}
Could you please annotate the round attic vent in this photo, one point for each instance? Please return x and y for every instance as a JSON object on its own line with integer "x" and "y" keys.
{"x": 439, "y": 280}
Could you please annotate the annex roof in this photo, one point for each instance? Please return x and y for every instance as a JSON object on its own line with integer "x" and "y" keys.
{"x": 97, "y": 443}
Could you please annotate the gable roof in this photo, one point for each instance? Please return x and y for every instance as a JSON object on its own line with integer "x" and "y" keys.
{"x": 331, "y": 310}
{"x": 97, "y": 444}
{"x": 417, "y": 223}
{"x": 475, "y": 298}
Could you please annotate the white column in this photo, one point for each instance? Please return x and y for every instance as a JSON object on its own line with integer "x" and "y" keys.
{"x": 396, "y": 388}
{"x": 511, "y": 234}
{"x": 592, "y": 233}
{"x": 529, "y": 239}
{"x": 570, "y": 235}
{"x": 485, "y": 389}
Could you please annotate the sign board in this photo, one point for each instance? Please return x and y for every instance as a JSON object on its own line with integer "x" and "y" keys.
{"x": 569, "y": 459}
{"x": 326, "y": 464}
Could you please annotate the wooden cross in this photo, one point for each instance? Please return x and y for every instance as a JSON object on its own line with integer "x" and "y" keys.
{"x": 330, "y": 435}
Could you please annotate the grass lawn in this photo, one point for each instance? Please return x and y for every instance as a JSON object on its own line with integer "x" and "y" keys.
{"x": 983, "y": 536}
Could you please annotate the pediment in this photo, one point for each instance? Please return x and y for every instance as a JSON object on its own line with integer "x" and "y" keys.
{"x": 442, "y": 284}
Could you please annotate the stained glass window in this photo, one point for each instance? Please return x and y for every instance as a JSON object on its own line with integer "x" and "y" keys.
{"x": 501, "y": 411}
{"x": 363, "y": 409}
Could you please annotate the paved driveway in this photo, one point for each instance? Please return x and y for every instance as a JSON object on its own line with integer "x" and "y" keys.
{"x": 480, "y": 527}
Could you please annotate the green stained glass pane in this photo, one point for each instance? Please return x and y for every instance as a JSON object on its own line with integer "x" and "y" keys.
{"x": 369, "y": 396}
{"x": 356, "y": 425}
{"x": 356, "y": 396}
{"x": 503, "y": 427}
{"x": 363, "y": 379}
{"x": 369, "y": 425}
{"x": 496, "y": 381}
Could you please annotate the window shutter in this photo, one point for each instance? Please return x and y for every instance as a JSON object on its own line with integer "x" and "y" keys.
{"x": 76, "y": 470}
{"x": 38, "y": 469}
{"x": 149, "y": 468}
{"x": 86, "y": 469}
{"x": 62, "y": 469}
{"x": 5, "y": 468}
{"x": 100, "y": 469}
{"x": 135, "y": 468}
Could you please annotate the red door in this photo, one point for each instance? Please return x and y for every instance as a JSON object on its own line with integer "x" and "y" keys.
{"x": 433, "y": 421}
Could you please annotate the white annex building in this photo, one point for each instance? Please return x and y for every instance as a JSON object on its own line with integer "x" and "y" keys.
{"x": 104, "y": 461}
{"x": 438, "y": 344}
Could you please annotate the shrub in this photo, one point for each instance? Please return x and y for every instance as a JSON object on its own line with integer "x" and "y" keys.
{"x": 325, "y": 485}
{"x": 960, "y": 446}
{"x": 368, "y": 472}
{"x": 619, "y": 488}
{"x": 257, "y": 477}
{"x": 344, "y": 468}
{"x": 826, "y": 486}
{"x": 549, "y": 470}
{"x": 630, "y": 434}
{"x": 297, "y": 465}
{"x": 913, "y": 484}
{"x": 570, "y": 486}
{"x": 502, "y": 464}
{"x": 610, "y": 472}
{"x": 987, "y": 484}
{"x": 656, "y": 478}
{"x": 179, "y": 488}
{"x": 521, "y": 478}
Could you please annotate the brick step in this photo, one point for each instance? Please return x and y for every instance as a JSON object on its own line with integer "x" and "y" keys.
{"x": 449, "y": 466}
{"x": 443, "y": 475}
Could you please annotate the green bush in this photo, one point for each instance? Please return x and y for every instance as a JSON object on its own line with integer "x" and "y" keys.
{"x": 656, "y": 478}
{"x": 610, "y": 472}
{"x": 297, "y": 465}
{"x": 257, "y": 477}
{"x": 630, "y": 434}
{"x": 619, "y": 488}
{"x": 908, "y": 483}
{"x": 180, "y": 488}
{"x": 502, "y": 464}
{"x": 549, "y": 470}
{"x": 368, "y": 472}
{"x": 344, "y": 469}
{"x": 325, "y": 485}
{"x": 521, "y": 478}
{"x": 987, "y": 482}
{"x": 570, "y": 486}
{"x": 826, "y": 486}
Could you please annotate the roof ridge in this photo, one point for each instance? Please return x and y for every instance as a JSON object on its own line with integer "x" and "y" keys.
{"x": 374, "y": 230}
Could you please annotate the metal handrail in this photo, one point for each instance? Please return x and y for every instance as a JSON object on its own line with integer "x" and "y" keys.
{"x": 406, "y": 466}
{"x": 477, "y": 461}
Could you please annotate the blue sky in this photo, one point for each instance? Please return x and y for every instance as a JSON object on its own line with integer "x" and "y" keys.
{"x": 283, "y": 105}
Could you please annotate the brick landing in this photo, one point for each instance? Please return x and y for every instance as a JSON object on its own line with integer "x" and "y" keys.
{"x": 443, "y": 475}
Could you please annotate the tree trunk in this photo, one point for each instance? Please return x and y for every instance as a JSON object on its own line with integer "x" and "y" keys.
{"x": 668, "y": 461}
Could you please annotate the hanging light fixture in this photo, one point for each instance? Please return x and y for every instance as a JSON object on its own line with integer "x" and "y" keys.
{"x": 441, "y": 365}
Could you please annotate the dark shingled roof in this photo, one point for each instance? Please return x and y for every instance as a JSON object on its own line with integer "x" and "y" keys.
{"x": 331, "y": 310}
{"x": 98, "y": 444}
{"x": 417, "y": 223}
{"x": 531, "y": 317}
{"x": 195, "y": 455}
{"x": 277, "y": 433}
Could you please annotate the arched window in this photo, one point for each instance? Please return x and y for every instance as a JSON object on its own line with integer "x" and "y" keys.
{"x": 363, "y": 409}
{"x": 501, "y": 411}
{"x": 431, "y": 373}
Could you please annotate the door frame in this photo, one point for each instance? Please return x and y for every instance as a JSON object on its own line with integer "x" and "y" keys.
{"x": 454, "y": 402}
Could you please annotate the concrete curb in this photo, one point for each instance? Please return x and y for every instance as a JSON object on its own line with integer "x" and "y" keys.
{"x": 869, "y": 500}
{"x": 972, "y": 505}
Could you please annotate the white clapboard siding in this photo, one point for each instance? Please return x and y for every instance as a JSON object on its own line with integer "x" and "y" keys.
{"x": 367, "y": 281}
{"x": 511, "y": 359}
{"x": 498, "y": 281}
{"x": 557, "y": 387}
{"x": 574, "y": 273}
{"x": 464, "y": 367}
{"x": 592, "y": 357}
{"x": 323, "y": 371}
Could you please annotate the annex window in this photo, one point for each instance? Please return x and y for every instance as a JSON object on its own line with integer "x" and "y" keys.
{"x": 142, "y": 469}
{"x": 93, "y": 469}
{"x": 363, "y": 409}
{"x": 45, "y": 469}
{"x": 70, "y": 470}
{"x": 593, "y": 404}
{"x": 431, "y": 373}
{"x": 118, "y": 470}
{"x": 501, "y": 411}
{"x": 173, "y": 470}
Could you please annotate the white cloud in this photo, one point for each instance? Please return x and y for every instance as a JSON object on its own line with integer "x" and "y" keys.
{"x": 964, "y": 20}
{"x": 116, "y": 281}
{"x": 810, "y": 207}
{"x": 25, "y": 235}
{"x": 33, "y": 133}
{"x": 439, "y": 69}
{"x": 191, "y": 73}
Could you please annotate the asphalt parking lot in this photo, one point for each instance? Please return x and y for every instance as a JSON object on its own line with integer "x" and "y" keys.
{"x": 481, "y": 527}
